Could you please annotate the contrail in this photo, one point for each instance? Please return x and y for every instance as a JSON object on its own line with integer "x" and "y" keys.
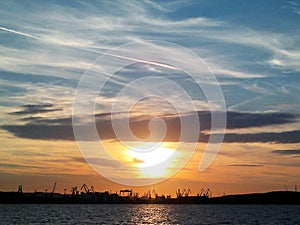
{"x": 18, "y": 32}
{"x": 134, "y": 59}
{"x": 99, "y": 52}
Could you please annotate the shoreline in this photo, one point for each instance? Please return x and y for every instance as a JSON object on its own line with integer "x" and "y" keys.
{"x": 274, "y": 197}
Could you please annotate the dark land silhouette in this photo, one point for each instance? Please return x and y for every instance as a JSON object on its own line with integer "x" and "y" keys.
{"x": 89, "y": 196}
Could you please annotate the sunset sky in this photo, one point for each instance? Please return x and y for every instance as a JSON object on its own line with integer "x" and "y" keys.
{"x": 252, "y": 48}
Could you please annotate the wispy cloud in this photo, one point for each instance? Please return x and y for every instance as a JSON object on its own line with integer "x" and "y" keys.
{"x": 68, "y": 42}
{"x": 293, "y": 6}
{"x": 63, "y": 44}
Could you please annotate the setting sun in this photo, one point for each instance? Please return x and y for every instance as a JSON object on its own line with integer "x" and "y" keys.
{"x": 147, "y": 156}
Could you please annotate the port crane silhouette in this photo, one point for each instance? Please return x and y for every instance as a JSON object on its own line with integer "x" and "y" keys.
{"x": 53, "y": 189}
{"x": 183, "y": 193}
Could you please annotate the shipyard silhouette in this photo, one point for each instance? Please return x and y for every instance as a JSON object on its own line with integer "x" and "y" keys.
{"x": 86, "y": 195}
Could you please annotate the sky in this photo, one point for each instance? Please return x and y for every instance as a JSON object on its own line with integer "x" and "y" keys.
{"x": 52, "y": 56}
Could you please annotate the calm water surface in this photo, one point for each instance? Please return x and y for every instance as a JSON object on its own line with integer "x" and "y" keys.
{"x": 149, "y": 214}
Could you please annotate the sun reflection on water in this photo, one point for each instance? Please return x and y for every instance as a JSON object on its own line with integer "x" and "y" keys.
{"x": 151, "y": 214}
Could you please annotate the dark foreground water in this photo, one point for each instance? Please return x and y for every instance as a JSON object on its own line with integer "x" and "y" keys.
{"x": 149, "y": 214}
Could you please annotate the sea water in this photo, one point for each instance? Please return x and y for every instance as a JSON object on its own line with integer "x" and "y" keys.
{"x": 149, "y": 214}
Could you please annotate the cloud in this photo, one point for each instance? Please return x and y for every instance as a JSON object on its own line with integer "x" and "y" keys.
{"x": 243, "y": 120}
{"x": 42, "y": 132}
{"x": 283, "y": 50}
{"x": 72, "y": 37}
{"x": 97, "y": 161}
{"x": 36, "y": 79}
{"x": 287, "y": 152}
{"x": 75, "y": 44}
{"x": 18, "y": 166}
{"x": 36, "y": 109}
{"x": 129, "y": 21}
{"x": 61, "y": 128}
{"x": 21, "y": 152}
{"x": 281, "y": 137}
{"x": 293, "y": 6}
{"x": 220, "y": 72}
{"x": 246, "y": 165}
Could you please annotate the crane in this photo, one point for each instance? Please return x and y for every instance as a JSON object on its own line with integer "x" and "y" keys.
{"x": 154, "y": 193}
{"x": 205, "y": 193}
{"x": 92, "y": 189}
{"x": 74, "y": 191}
{"x": 186, "y": 192}
{"x": 20, "y": 189}
{"x": 86, "y": 189}
{"x": 208, "y": 193}
{"x": 147, "y": 195}
{"x": 179, "y": 193}
{"x": 54, "y": 186}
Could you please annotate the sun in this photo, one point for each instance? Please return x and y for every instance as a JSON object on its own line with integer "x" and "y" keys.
{"x": 147, "y": 159}
{"x": 150, "y": 154}
{"x": 152, "y": 159}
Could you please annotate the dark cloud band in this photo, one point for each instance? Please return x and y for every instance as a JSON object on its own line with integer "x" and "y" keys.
{"x": 61, "y": 129}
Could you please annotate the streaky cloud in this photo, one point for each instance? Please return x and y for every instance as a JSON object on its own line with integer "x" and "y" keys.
{"x": 34, "y": 109}
{"x": 246, "y": 165}
{"x": 87, "y": 49}
{"x": 287, "y": 152}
